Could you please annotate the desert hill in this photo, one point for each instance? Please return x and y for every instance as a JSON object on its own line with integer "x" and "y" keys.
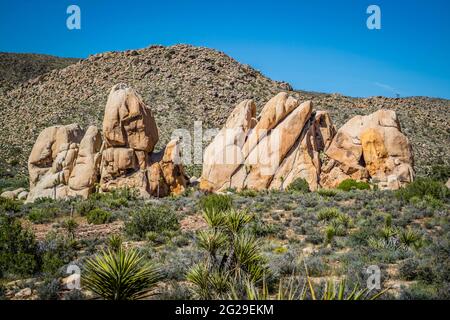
{"x": 183, "y": 84}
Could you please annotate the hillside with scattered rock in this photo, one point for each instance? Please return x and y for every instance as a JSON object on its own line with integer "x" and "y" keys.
{"x": 183, "y": 84}
{"x": 17, "y": 68}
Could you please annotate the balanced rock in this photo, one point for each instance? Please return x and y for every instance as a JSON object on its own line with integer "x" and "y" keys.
{"x": 271, "y": 152}
{"x": 370, "y": 147}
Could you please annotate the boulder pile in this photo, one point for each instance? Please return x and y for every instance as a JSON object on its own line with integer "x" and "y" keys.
{"x": 290, "y": 140}
{"x": 67, "y": 161}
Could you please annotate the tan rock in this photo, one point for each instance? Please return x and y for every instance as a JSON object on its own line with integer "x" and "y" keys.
{"x": 303, "y": 160}
{"x": 265, "y": 158}
{"x": 128, "y": 122}
{"x": 224, "y": 155}
{"x": 373, "y": 147}
{"x": 86, "y": 170}
{"x": 52, "y": 160}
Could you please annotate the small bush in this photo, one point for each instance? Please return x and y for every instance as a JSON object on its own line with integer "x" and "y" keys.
{"x": 151, "y": 218}
{"x": 9, "y": 205}
{"x": 49, "y": 290}
{"x": 216, "y": 202}
{"x": 18, "y": 248}
{"x": 422, "y": 187}
{"x": 328, "y": 213}
{"x": 329, "y": 193}
{"x": 440, "y": 173}
{"x": 98, "y": 216}
{"x": 300, "y": 185}
{"x": 56, "y": 251}
{"x": 42, "y": 215}
{"x": 351, "y": 184}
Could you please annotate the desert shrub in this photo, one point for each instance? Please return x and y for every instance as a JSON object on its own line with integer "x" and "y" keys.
{"x": 328, "y": 213}
{"x": 56, "y": 251}
{"x": 42, "y": 215}
{"x": 248, "y": 193}
{"x": 9, "y": 205}
{"x": 120, "y": 275}
{"x": 74, "y": 295}
{"x": 300, "y": 185}
{"x": 49, "y": 290}
{"x": 422, "y": 187}
{"x": 439, "y": 173}
{"x": 408, "y": 269}
{"x": 329, "y": 193}
{"x": 84, "y": 206}
{"x": 18, "y": 248}
{"x": 350, "y": 184}
{"x": 151, "y": 218}
{"x": 98, "y": 216}
{"x": 316, "y": 266}
{"x": 260, "y": 228}
{"x": 418, "y": 291}
{"x": 216, "y": 202}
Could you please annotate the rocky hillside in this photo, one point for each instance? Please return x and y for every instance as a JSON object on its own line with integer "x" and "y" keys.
{"x": 20, "y": 67}
{"x": 183, "y": 84}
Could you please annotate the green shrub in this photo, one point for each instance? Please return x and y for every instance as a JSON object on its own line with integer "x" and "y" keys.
{"x": 9, "y": 205}
{"x": 216, "y": 202}
{"x": 42, "y": 215}
{"x": 328, "y": 213}
{"x": 18, "y": 248}
{"x": 351, "y": 184}
{"x": 151, "y": 218}
{"x": 300, "y": 185}
{"x": 56, "y": 251}
{"x": 422, "y": 187}
{"x": 49, "y": 290}
{"x": 329, "y": 193}
{"x": 439, "y": 173}
{"x": 83, "y": 207}
{"x": 98, "y": 216}
{"x": 119, "y": 275}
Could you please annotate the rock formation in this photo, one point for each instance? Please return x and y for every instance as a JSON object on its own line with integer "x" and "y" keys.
{"x": 291, "y": 140}
{"x": 271, "y": 152}
{"x": 370, "y": 147}
{"x": 67, "y": 161}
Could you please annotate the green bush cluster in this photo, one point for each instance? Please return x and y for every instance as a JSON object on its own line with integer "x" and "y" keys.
{"x": 150, "y": 218}
{"x": 216, "y": 202}
{"x": 9, "y": 205}
{"x": 300, "y": 185}
{"x": 98, "y": 216}
{"x": 350, "y": 184}
{"x": 18, "y": 248}
{"x": 42, "y": 215}
{"x": 422, "y": 187}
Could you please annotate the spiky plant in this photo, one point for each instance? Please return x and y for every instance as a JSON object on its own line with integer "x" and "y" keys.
{"x": 410, "y": 237}
{"x": 119, "y": 275}
{"x": 115, "y": 242}
{"x": 233, "y": 255}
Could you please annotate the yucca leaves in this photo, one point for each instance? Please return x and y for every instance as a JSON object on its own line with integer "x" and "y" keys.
{"x": 119, "y": 275}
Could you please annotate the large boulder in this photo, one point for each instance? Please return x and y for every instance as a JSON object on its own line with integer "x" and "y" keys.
{"x": 283, "y": 145}
{"x": 370, "y": 147}
{"x": 86, "y": 169}
{"x": 52, "y": 160}
{"x": 128, "y": 122}
{"x": 66, "y": 161}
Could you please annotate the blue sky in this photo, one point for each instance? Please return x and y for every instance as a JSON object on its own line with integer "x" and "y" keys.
{"x": 317, "y": 45}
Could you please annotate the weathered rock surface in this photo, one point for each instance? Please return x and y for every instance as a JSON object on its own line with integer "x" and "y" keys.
{"x": 66, "y": 161}
{"x": 370, "y": 147}
{"x": 271, "y": 152}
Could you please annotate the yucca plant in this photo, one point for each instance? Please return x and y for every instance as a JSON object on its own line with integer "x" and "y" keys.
{"x": 115, "y": 242}
{"x": 233, "y": 255}
{"x": 410, "y": 237}
{"x": 119, "y": 275}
